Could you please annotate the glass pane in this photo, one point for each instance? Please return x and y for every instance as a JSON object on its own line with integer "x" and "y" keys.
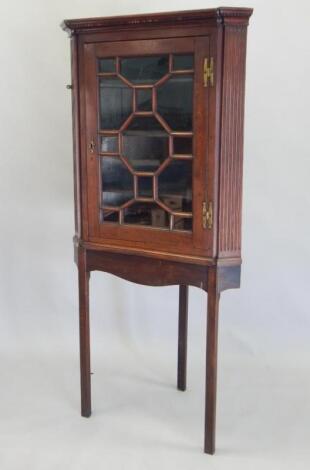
{"x": 109, "y": 216}
{"x": 109, "y": 143}
{"x": 183, "y": 62}
{"x": 117, "y": 182}
{"x": 175, "y": 186}
{"x": 181, "y": 223}
{"x": 145, "y": 123}
{"x": 145, "y": 186}
{"x": 115, "y": 102}
{"x": 145, "y": 213}
{"x": 144, "y": 99}
{"x": 145, "y": 69}
{"x": 182, "y": 145}
{"x": 175, "y": 102}
{"x": 106, "y": 65}
{"x": 145, "y": 144}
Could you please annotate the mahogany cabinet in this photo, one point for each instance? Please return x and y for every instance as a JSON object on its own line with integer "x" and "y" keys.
{"x": 158, "y": 104}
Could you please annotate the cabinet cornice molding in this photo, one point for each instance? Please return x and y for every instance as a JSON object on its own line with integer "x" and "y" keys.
{"x": 222, "y": 15}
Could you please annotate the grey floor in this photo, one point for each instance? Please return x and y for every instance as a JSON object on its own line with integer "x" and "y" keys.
{"x": 140, "y": 420}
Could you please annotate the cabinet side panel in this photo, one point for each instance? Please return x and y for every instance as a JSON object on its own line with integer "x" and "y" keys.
{"x": 75, "y": 132}
{"x": 231, "y": 154}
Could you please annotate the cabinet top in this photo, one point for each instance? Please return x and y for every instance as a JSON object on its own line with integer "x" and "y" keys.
{"x": 221, "y": 15}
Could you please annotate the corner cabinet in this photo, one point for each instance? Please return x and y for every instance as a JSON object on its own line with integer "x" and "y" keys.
{"x": 158, "y": 104}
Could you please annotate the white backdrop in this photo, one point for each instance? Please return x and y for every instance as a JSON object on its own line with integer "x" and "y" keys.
{"x": 139, "y": 419}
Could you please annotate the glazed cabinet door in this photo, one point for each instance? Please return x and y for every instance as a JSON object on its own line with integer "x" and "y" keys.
{"x": 146, "y": 121}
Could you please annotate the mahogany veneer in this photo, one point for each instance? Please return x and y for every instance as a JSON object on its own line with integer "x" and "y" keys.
{"x": 158, "y": 104}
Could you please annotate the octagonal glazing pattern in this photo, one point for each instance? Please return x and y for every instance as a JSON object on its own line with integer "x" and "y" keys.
{"x": 146, "y": 125}
{"x": 145, "y": 144}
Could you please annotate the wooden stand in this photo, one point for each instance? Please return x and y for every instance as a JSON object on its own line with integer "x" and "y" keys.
{"x": 148, "y": 271}
{"x": 182, "y": 340}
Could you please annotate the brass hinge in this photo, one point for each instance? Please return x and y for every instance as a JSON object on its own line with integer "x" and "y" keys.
{"x": 207, "y": 214}
{"x": 208, "y": 73}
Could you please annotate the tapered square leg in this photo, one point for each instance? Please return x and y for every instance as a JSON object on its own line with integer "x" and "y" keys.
{"x": 84, "y": 334}
{"x": 211, "y": 363}
{"x": 182, "y": 338}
